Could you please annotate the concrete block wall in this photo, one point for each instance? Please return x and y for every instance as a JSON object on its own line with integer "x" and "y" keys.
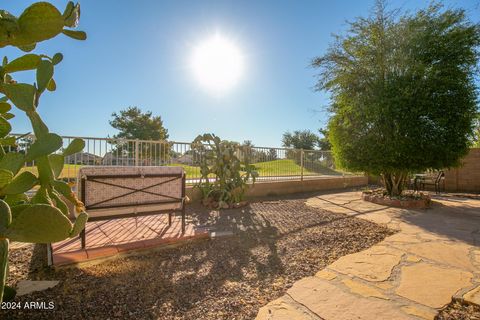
{"x": 467, "y": 177}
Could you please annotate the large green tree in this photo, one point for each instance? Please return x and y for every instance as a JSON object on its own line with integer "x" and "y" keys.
{"x": 300, "y": 139}
{"x": 135, "y": 124}
{"x": 403, "y": 94}
{"x": 323, "y": 140}
{"x": 132, "y": 123}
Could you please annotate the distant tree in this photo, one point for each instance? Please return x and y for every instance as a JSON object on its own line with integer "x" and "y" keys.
{"x": 476, "y": 134}
{"x": 245, "y": 150}
{"x": 304, "y": 139}
{"x": 135, "y": 124}
{"x": 132, "y": 123}
{"x": 403, "y": 92}
{"x": 272, "y": 154}
{"x": 261, "y": 156}
{"x": 248, "y": 143}
{"x": 323, "y": 140}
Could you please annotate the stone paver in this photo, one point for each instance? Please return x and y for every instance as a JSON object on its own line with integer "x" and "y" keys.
{"x": 473, "y": 296}
{"x": 476, "y": 257}
{"x": 447, "y": 253}
{"x": 373, "y": 264}
{"x": 419, "y": 312}
{"x": 434, "y": 256}
{"x": 325, "y": 274}
{"x": 363, "y": 290}
{"x": 430, "y": 285}
{"x": 326, "y": 300}
{"x": 28, "y": 286}
{"x": 284, "y": 309}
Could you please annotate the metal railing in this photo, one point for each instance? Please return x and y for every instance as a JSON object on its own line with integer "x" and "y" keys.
{"x": 271, "y": 163}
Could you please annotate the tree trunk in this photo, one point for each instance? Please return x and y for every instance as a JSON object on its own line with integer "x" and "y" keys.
{"x": 394, "y": 182}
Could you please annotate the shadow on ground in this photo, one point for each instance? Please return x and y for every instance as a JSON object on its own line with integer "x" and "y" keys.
{"x": 275, "y": 243}
{"x": 455, "y": 218}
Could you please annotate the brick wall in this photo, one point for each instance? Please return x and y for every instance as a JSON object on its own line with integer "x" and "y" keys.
{"x": 467, "y": 177}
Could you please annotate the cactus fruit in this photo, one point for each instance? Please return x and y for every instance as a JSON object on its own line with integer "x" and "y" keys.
{"x": 44, "y": 217}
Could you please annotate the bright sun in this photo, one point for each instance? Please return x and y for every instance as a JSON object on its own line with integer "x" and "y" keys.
{"x": 217, "y": 64}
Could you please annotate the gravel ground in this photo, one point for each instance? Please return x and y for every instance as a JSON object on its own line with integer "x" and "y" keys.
{"x": 27, "y": 261}
{"x": 459, "y": 311}
{"x": 274, "y": 244}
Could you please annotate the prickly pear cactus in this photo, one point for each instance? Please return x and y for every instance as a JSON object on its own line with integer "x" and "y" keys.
{"x": 44, "y": 216}
{"x": 41, "y": 21}
{"x": 225, "y": 170}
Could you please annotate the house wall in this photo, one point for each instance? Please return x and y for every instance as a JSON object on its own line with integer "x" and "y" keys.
{"x": 467, "y": 177}
{"x": 274, "y": 188}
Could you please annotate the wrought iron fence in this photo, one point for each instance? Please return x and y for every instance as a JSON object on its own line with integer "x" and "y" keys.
{"x": 271, "y": 163}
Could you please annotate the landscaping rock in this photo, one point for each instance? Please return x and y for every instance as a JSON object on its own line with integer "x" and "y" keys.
{"x": 272, "y": 246}
{"x": 458, "y": 310}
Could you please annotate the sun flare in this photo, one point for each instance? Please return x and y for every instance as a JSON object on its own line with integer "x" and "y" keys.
{"x": 217, "y": 64}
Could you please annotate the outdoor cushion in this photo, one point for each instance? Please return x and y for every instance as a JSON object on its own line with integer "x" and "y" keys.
{"x": 118, "y": 190}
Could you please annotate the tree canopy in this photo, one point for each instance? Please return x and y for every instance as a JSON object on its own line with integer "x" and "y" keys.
{"x": 300, "y": 139}
{"x": 403, "y": 95}
{"x": 135, "y": 124}
{"x": 323, "y": 140}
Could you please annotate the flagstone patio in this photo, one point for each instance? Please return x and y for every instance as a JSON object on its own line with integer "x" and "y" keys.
{"x": 434, "y": 257}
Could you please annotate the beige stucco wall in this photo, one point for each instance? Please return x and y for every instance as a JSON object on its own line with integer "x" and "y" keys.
{"x": 274, "y": 188}
{"x": 467, "y": 177}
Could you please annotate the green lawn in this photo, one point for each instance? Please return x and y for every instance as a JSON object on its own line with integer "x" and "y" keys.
{"x": 69, "y": 170}
{"x": 281, "y": 167}
{"x": 191, "y": 171}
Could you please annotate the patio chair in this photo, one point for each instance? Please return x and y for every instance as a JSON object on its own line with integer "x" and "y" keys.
{"x": 110, "y": 192}
{"x": 436, "y": 179}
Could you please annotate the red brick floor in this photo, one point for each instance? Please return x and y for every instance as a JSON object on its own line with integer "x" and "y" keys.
{"x": 108, "y": 238}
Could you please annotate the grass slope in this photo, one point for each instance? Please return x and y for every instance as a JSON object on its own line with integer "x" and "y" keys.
{"x": 280, "y": 167}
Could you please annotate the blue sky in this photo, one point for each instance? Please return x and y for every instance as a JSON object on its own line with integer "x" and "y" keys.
{"x": 138, "y": 54}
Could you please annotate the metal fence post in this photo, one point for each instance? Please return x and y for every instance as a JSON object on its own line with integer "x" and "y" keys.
{"x": 301, "y": 163}
{"x": 136, "y": 152}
